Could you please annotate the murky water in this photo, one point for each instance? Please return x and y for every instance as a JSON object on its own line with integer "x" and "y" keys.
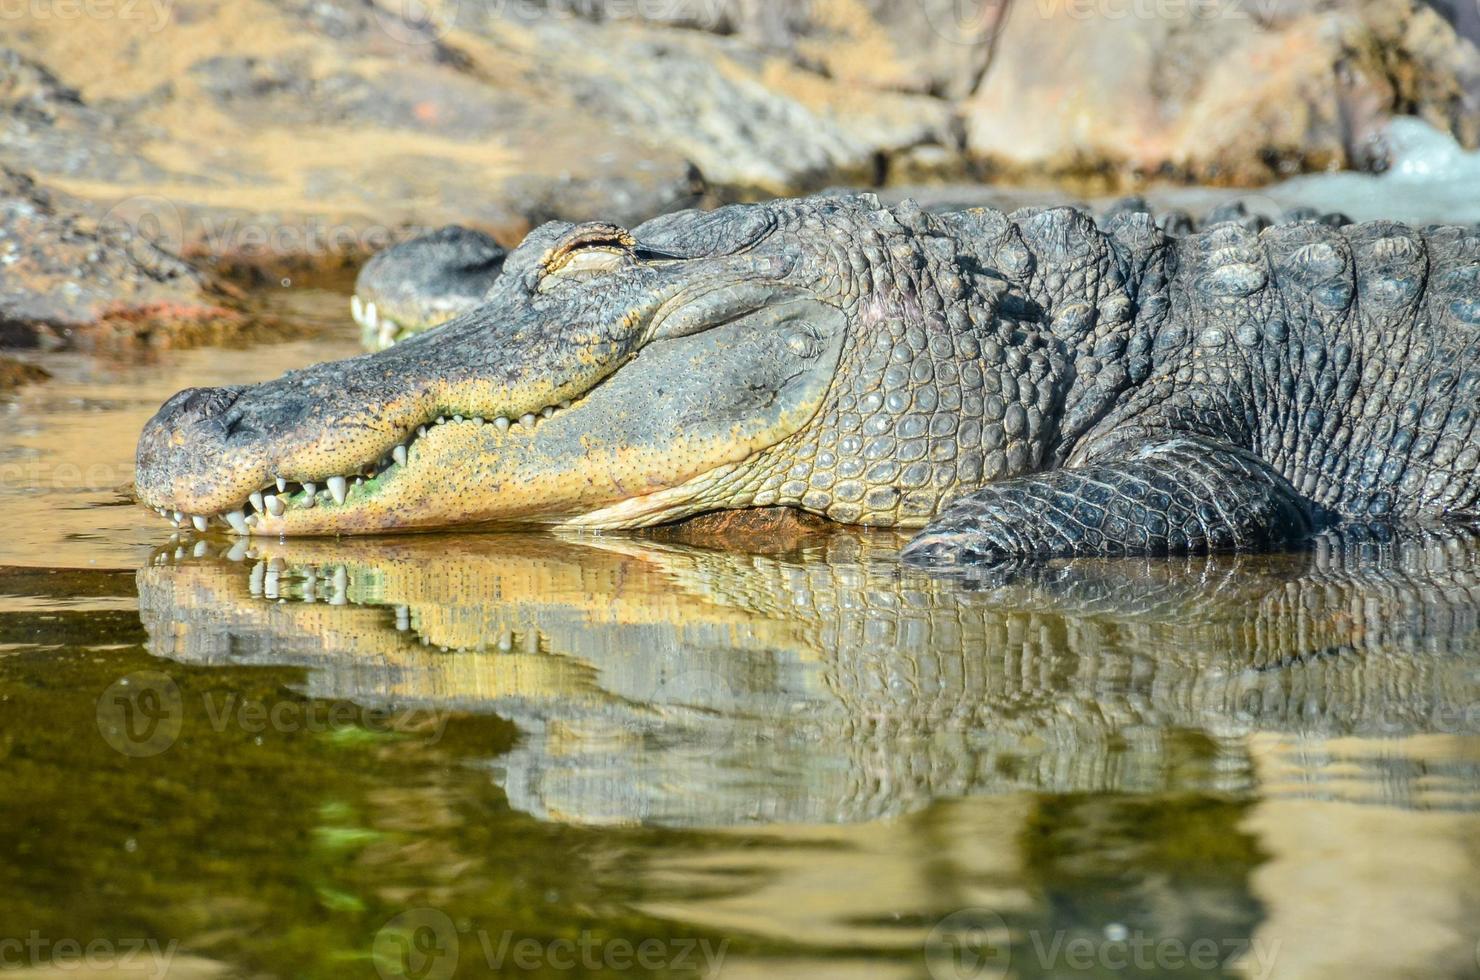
{"x": 547, "y": 755}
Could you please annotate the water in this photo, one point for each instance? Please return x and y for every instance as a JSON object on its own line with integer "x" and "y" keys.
{"x": 555, "y": 755}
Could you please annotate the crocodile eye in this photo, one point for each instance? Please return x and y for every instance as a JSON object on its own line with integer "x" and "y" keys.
{"x": 583, "y": 264}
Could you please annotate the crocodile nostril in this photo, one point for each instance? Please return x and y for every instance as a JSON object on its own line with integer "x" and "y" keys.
{"x": 196, "y": 404}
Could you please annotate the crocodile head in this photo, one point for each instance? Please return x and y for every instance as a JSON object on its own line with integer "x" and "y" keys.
{"x": 424, "y": 282}
{"x": 754, "y": 355}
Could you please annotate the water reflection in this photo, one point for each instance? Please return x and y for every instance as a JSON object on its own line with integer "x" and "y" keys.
{"x": 662, "y": 684}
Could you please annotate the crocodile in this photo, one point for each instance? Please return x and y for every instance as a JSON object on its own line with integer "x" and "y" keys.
{"x": 1012, "y": 386}
{"x": 428, "y": 279}
{"x": 661, "y": 683}
{"x": 423, "y": 282}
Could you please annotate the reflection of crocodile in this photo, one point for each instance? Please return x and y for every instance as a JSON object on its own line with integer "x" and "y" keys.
{"x": 1074, "y": 391}
{"x": 672, "y": 684}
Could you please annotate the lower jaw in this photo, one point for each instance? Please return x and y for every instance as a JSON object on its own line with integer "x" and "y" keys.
{"x": 658, "y": 507}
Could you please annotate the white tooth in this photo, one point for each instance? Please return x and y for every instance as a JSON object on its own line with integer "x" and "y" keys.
{"x": 337, "y": 488}
{"x": 387, "y": 332}
{"x": 565, "y": 403}
{"x": 199, "y": 522}
{"x": 179, "y": 517}
{"x": 403, "y": 618}
{"x": 237, "y": 551}
{"x": 310, "y": 489}
{"x": 255, "y": 579}
{"x": 357, "y": 308}
{"x": 399, "y": 455}
{"x": 548, "y": 411}
{"x": 457, "y": 418}
{"x": 372, "y": 317}
{"x": 237, "y": 520}
{"x": 256, "y": 499}
{"x": 281, "y": 484}
{"x": 477, "y": 420}
{"x": 421, "y": 430}
{"x": 252, "y": 520}
{"x": 501, "y": 424}
{"x": 526, "y": 420}
{"x": 275, "y": 506}
{"x": 359, "y": 482}
{"x": 441, "y": 419}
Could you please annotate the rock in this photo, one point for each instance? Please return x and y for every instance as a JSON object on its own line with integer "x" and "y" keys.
{"x": 70, "y": 282}
{"x": 1213, "y": 93}
{"x": 277, "y": 134}
{"x": 15, "y": 373}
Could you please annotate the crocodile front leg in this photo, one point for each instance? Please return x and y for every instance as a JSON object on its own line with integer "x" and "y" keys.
{"x": 1167, "y": 497}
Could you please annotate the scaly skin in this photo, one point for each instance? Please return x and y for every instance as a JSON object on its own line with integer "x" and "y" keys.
{"x": 422, "y": 283}
{"x": 1074, "y": 390}
{"x": 839, "y": 687}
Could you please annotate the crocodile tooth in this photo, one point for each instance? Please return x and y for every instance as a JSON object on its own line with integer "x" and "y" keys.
{"x": 199, "y": 522}
{"x": 457, "y": 418}
{"x": 421, "y": 430}
{"x": 372, "y": 316}
{"x": 359, "y": 481}
{"x": 237, "y": 520}
{"x": 565, "y": 403}
{"x": 281, "y": 484}
{"x": 310, "y": 489}
{"x": 199, "y": 551}
{"x": 275, "y": 506}
{"x": 338, "y": 488}
{"x": 501, "y": 424}
{"x": 252, "y": 520}
{"x": 399, "y": 455}
{"x": 526, "y": 420}
{"x": 387, "y": 332}
{"x": 441, "y": 419}
{"x": 357, "y": 309}
{"x": 548, "y": 411}
{"x": 256, "y": 499}
{"x": 179, "y": 517}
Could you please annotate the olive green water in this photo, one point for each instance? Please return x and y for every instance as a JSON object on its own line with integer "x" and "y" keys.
{"x": 542, "y": 755}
